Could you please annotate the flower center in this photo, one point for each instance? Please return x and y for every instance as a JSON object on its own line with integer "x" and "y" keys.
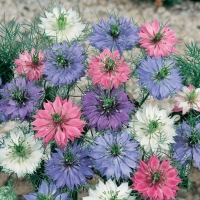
{"x": 35, "y": 58}
{"x": 62, "y": 61}
{"x": 20, "y": 150}
{"x": 110, "y": 65}
{"x": 69, "y": 158}
{"x": 115, "y": 197}
{"x": 19, "y": 97}
{"x": 114, "y": 30}
{"x": 44, "y": 197}
{"x": 194, "y": 139}
{"x": 56, "y": 117}
{"x": 61, "y": 21}
{"x": 162, "y": 74}
{"x": 153, "y": 126}
{"x": 108, "y": 103}
{"x": 157, "y": 37}
{"x": 155, "y": 177}
{"x": 115, "y": 150}
{"x": 192, "y": 96}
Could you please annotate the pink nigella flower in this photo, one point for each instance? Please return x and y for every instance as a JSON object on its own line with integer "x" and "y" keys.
{"x": 155, "y": 180}
{"x": 157, "y": 40}
{"x": 59, "y": 120}
{"x": 188, "y": 98}
{"x": 30, "y": 65}
{"x": 108, "y": 69}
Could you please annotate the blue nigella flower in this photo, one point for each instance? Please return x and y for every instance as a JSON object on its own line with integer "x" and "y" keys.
{"x": 115, "y": 155}
{"x": 64, "y": 63}
{"x": 45, "y": 191}
{"x": 187, "y": 146}
{"x": 70, "y": 167}
{"x": 115, "y": 34}
{"x": 160, "y": 77}
{"x": 20, "y": 98}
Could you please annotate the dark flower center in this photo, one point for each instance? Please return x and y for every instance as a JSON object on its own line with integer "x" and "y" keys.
{"x": 20, "y": 97}
{"x": 192, "y": 96}
{"x": 110, "y": 65}
{"x": 62, "y": 61}
{"x": 20, "y": 150}
{"x": 69, "y": 158}
{"x": 44, "y": 197}
{"x": 114, "y": 30}
{"x": 61, "y": 21}
{"x": 115, "y": 150}
{"x": 162, "y": 74}
{"x": 194, "y": 139}
{"x": 155, "y": 177}
{"x": 56, "y": 117}
{"x": 153, "y": 126}
{"x": 157, "y": 37}
{"x": 35, "y": 58}
{"x": 108, "y": 103}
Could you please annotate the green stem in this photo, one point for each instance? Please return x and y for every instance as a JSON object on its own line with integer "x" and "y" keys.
{"x": 144, "y": 99}
{"x": 74, "y": 195}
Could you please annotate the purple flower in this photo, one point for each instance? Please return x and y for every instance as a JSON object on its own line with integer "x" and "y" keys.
{"x": 20, "y": 98}
{"x": 187, "y": 146}
{"x": 115, "y": 155}
{"x": 106, "y": 109}
{"x": 160, "y": 77}
{"x": 64, "y": 63}
{"x": 115, "y": 34}
{"x": 70, "y": 167}
{"x": 47, "y": 192}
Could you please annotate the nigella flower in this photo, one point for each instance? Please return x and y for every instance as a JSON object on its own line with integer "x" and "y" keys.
{"x": 70, "y": 167}
{"x": 59, "y": 120}
{"x": 20, "y": 153}
{"x": 160, "y": 76}
{"x": 115, "y": 155}
{"x": 47, "y": 191}
{"x": 156, "y": 180}
{"x": 107, "y": 109}
{"x": 154, "y": 130}
{"x": 156, "y": 40}
{"x": 109, "y": 69}
{"x": 62, "y": 25}
{"x": 187, "y": 146}
{"x": 64, "y": 63}
{"x": 30, "y": 64}
{"x": 115, "y": 34}
{"x": 20, "y": 98}
{"x": 188, "y": 98}
{"x": 110, "y": 191}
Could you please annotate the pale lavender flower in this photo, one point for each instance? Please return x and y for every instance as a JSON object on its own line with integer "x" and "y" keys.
{"x": 115, "y": 34}
{"x": 115, "y": 155}
{"x": 160, "y": 76}
{"x": 70, "y": 167}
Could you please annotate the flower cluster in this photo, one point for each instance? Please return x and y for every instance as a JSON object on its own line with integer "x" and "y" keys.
{"x": 68, "y": 116}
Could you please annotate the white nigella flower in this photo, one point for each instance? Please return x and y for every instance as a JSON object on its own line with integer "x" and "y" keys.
{"x": 62, "y": 25}
{"x": 153, "y": 129}
{"x": 20, "y": 153}
{"x": 110, "y": 191}
{"x": 188, "y": 98}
